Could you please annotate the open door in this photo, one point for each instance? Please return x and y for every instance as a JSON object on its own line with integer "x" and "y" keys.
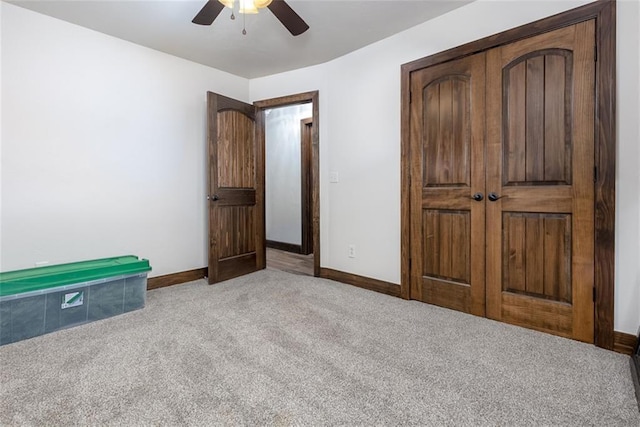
{"x": 236, "y": 190}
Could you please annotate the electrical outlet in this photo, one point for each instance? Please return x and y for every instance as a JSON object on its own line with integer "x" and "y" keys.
{"x": 41, "y": 263}
{"x": 333, "y": 177}
{"x": 352, "y": 251}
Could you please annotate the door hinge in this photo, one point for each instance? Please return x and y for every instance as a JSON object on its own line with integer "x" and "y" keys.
{"x": 595, "y": 53}
{"x": 594, "y": 294}
{"x": 595, "y": 174}
{"x": 410, "y": 97}
{"x": 410, "y": 263}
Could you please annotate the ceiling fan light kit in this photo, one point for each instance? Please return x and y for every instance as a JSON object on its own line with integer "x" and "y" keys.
{"x": 247, "y": 6}
{"x": 260, "y": 4}
{"x": 285, "y": 14}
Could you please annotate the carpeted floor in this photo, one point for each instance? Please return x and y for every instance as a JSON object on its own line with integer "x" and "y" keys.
{"x": 273, "y": 348}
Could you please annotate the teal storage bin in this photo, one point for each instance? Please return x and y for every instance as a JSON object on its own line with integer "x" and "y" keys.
{"x": 46, "y": 299}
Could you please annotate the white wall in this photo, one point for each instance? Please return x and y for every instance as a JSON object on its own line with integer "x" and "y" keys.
{"x": 360, "y": 138}
{"x": 628, "y": 182}
{"x": 627, "y": 296}
{"x": 103, "y": 147}
{"x": 1, "y": 9}
{"x": 283, "y": 198}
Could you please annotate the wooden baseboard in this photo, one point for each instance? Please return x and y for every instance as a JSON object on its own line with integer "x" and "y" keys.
{"x": 176, "y": 278}
{"x": 361, "y": 281}
{"x": 288, "y": 247}
{"x": 624, "y": 343}
{"x": 634, "y": 361}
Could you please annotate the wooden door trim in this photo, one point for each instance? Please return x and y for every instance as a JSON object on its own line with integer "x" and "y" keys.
{"x": 306, "y": 172}
{"x": 604, "y": 13}
{"x": 300, "y": 98}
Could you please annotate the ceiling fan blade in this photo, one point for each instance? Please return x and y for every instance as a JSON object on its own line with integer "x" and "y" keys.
{"x": 208, "y": 13}
{"x": 289, "y": 18}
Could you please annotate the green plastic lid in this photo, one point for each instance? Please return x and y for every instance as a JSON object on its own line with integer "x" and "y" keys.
{"x": 35, "y": 279}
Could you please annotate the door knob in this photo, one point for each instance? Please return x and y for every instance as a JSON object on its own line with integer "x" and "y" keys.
{"x": 215, "y": 197}
{"x": 493, "y": 197}
{"x": 477, "y": 197}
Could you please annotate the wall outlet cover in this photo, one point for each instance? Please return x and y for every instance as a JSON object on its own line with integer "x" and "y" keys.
{"x": 352, "y": 251}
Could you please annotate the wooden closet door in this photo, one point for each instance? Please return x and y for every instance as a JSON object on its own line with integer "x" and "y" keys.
{"x": 447, "y": 169}
{"x": 540, "y": 159}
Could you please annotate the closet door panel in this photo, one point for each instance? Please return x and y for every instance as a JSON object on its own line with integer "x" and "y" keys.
{"x": 540, "y": 156}
{"x": 447, "y": 155}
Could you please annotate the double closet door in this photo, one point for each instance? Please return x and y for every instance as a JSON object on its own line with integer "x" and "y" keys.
{"x": 502, "y": 183}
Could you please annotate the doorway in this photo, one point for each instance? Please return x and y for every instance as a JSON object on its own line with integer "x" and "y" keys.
{"x": 288, "y": 131}
{"x": 236, "y": 184}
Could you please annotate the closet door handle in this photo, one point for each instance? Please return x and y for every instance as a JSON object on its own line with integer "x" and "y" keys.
{"x": 493, "y": 197}
{"x": 477, "y": 197}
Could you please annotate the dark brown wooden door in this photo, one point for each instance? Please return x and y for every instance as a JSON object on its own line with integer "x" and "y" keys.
{"x": 540, "y": 157}
{"x": 447, "y": 170}
{"x": 236, "y": 190}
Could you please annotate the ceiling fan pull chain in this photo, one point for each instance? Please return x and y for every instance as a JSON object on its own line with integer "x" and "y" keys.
{"x": 244, "y": 24}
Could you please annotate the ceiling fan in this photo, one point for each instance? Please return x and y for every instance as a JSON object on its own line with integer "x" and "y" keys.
{"x": 289, "y": 18}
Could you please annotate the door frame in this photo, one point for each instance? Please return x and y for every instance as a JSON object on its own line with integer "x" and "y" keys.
{"x": 306, "y": 192}
{"x": 300, "y": 98}
{"x": 604, "y": 13}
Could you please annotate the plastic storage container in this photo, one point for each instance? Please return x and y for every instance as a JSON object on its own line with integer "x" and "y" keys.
{"x": 45, "y": 299}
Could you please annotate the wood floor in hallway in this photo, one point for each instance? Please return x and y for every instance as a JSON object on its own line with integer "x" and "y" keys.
{"x": 290, "y": 262}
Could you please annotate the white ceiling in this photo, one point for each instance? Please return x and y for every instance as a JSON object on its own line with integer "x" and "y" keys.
{"x": 336, "y": 28}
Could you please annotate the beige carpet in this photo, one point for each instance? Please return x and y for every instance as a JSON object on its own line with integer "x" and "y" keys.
{"x": 273, "y": 348}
